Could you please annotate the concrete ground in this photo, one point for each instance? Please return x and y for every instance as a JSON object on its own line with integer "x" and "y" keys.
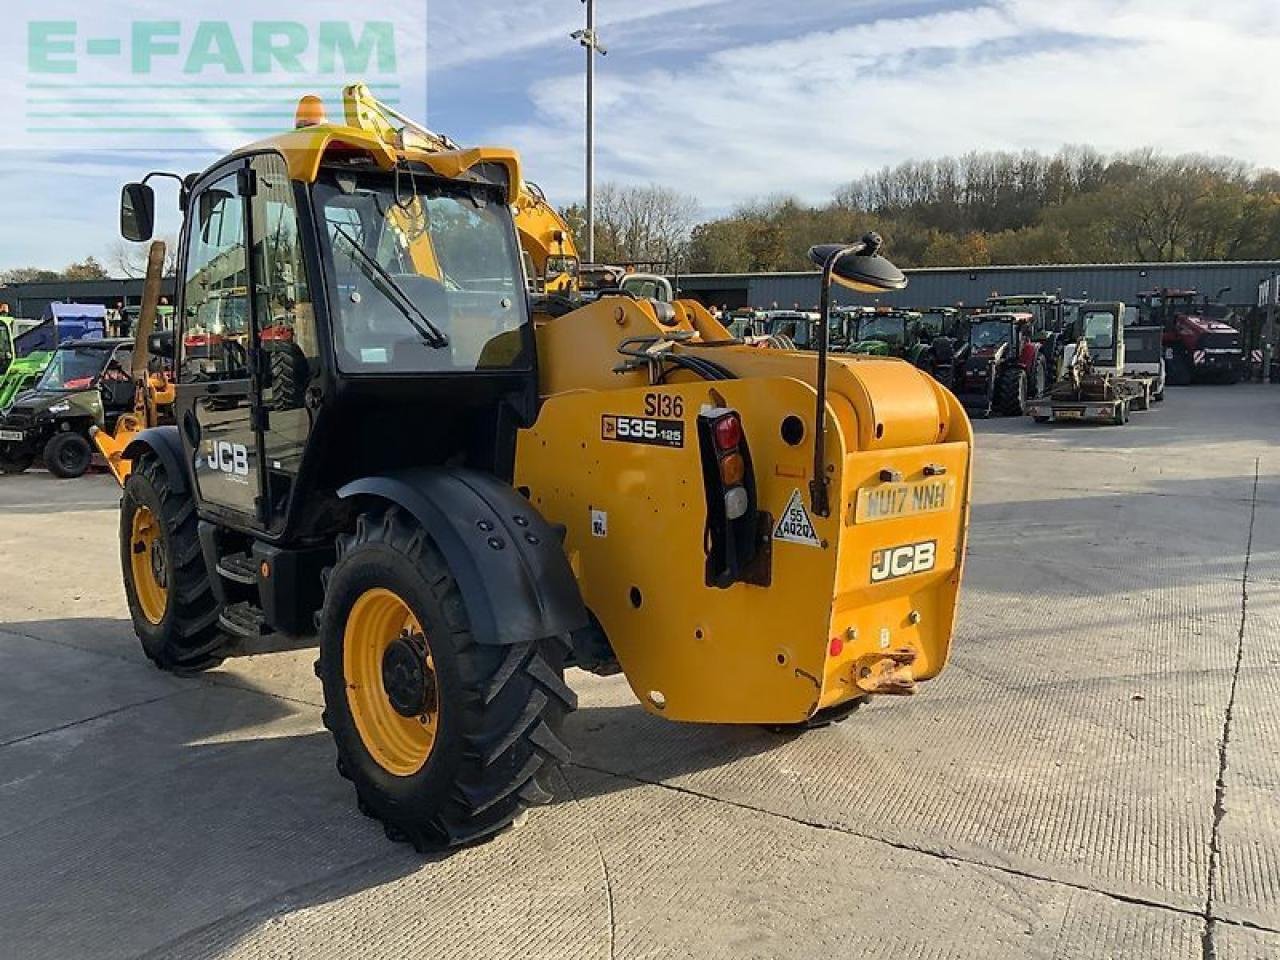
{"x": 1096, "y": 775}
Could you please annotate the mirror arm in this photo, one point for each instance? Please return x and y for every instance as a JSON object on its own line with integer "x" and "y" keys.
{"x": 182, "y": 184}
{"x": 819, "y": 485}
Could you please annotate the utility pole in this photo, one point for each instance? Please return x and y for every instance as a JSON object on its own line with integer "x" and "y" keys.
{"x": 591, "y": 43}
{"x": 1269, "y": 330}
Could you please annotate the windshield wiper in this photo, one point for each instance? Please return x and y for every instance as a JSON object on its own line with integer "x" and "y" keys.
{"x": 431, "y": 335}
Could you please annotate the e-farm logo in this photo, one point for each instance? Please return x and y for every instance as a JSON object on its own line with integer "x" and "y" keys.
{"x": 212, "y": 48}
{"x": 152, "y": 75}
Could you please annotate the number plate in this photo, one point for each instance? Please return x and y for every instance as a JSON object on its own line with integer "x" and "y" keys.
{"x": 11, "y": 434}
{"x": 889, "y": 501}
{"x": 1069, "y": 415}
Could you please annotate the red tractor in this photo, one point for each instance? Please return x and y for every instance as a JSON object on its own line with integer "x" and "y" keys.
{"x": 1198, "y": 342}
{"x": 1002, "y": 362}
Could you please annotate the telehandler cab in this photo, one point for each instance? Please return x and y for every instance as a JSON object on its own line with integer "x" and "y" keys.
{"x": 460, "y": 504}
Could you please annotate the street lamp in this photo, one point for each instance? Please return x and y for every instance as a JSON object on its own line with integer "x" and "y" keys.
{"x": 857, "y": 266}
{"x": 591, "y": 43}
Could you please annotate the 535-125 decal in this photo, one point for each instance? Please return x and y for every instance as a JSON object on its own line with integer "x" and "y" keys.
{"x": 647, "y": 430}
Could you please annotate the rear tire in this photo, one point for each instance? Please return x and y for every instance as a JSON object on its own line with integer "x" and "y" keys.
{"x": 1010, "y": 392}
{"x": 288, "y": 376}
{"x": 68, "y": 455}
{"x": 16, "y": 463}
{"x": 496, "y": 712}
{"x": 1178, "y": 371}
{"x": 179, "y": 627}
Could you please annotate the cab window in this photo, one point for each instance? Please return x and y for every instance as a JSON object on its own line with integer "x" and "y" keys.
{"x": 410, "y": 261}
{"x": 216, "y": 322}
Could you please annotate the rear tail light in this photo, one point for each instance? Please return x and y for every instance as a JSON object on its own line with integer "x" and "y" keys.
{"x": 737, "y": 534}
{"x": 732, "y": 469}
{"x": 728, "y": 432}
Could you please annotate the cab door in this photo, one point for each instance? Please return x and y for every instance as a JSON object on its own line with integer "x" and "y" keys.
{"x": 214, "y": 396}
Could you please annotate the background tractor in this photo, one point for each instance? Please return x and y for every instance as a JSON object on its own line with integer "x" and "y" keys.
{"x": 920, "y": 339}
{"x": 1199, "y": 344}
{"x": 1001, "y": 364}
{"x": 464, "y": 499}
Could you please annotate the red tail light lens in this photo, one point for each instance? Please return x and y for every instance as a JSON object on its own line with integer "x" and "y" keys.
{"x": 728, "y": 432}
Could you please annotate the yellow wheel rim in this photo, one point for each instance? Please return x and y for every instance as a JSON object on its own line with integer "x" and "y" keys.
{"x": 149, "y": 563}
{"x": 391, "y": 683}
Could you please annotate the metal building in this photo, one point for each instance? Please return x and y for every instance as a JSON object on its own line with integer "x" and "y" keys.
{"x": 31, "y": 300}
{"x": 1231, "y": 282}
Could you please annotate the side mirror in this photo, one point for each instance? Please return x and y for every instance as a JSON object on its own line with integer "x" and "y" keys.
{"x": 137, "y": 212}
{"x": 860, "y": 267}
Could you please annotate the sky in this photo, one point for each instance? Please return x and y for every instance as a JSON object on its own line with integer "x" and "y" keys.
{"x": 734, "y": 100}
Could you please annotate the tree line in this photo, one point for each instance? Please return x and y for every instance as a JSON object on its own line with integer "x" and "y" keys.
{"x": 1074, "y": 206}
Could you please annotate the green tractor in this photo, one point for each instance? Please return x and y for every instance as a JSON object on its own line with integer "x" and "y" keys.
{"x": 18, "y": 371}
{"x": 925, "y": 340}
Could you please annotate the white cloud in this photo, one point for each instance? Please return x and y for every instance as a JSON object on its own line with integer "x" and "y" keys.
{"x": 803, "y": 115}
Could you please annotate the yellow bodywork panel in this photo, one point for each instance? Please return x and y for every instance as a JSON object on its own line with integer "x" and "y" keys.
{"x": 843, "y": 611}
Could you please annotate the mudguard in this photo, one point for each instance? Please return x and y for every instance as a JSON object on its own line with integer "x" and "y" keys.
{"x": 515, "y": 579}
{"x": 1030, "y": 353}
{"x": 165, "y": 443}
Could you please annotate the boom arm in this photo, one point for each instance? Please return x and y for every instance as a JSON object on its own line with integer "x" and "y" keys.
{"x": 544, "y": 235}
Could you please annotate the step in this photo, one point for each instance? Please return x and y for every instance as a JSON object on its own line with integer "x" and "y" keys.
{"x": 239, "y": 568}
{"x": 243, "y": 620}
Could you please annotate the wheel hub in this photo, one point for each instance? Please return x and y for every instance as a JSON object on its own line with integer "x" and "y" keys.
{"x": 404, "y": 675}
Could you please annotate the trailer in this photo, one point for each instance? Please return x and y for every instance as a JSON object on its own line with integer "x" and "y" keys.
{"x": 1095, "y": 386}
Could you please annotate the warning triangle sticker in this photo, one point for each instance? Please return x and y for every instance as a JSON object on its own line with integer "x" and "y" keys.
{"x": 794, "y": 525}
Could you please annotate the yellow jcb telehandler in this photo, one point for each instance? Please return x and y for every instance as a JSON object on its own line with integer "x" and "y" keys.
{"x": 458, "y": 503}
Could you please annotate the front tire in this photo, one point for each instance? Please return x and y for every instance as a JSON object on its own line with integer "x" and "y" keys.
{"x": 171, "y": 600}
{"x": 1010, "y": 392}
{"x": 448, "y": 737}
{"x": 67, "y": 455}
{"x": 1040, "y": 382}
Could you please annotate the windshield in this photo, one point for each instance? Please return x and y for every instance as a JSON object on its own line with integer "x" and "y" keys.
{"x": 793, "y": 325}
{"x": 888, "y": 329}
{"x": 1098, "y": 330}
{"x": 1142, "y": 346}
{"x": 990, "y": 333}
{"x": 406, "y": 266}
{"x": 221, "y": 312}
{"x": 1042, "y": 314}
{"x": 74, "y": 368}
{"x": 931, "y": 324}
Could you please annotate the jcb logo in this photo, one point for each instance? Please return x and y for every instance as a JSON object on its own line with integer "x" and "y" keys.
{"x": 232, "y": 458}
{"x": 894, "y": 562}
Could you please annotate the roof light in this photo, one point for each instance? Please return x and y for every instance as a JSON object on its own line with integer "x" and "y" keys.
{"x": 310, "y": 112}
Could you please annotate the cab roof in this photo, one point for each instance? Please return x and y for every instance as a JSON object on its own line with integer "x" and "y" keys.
{"x": 306, "y": 148}
{"x": 97, "y": 343}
